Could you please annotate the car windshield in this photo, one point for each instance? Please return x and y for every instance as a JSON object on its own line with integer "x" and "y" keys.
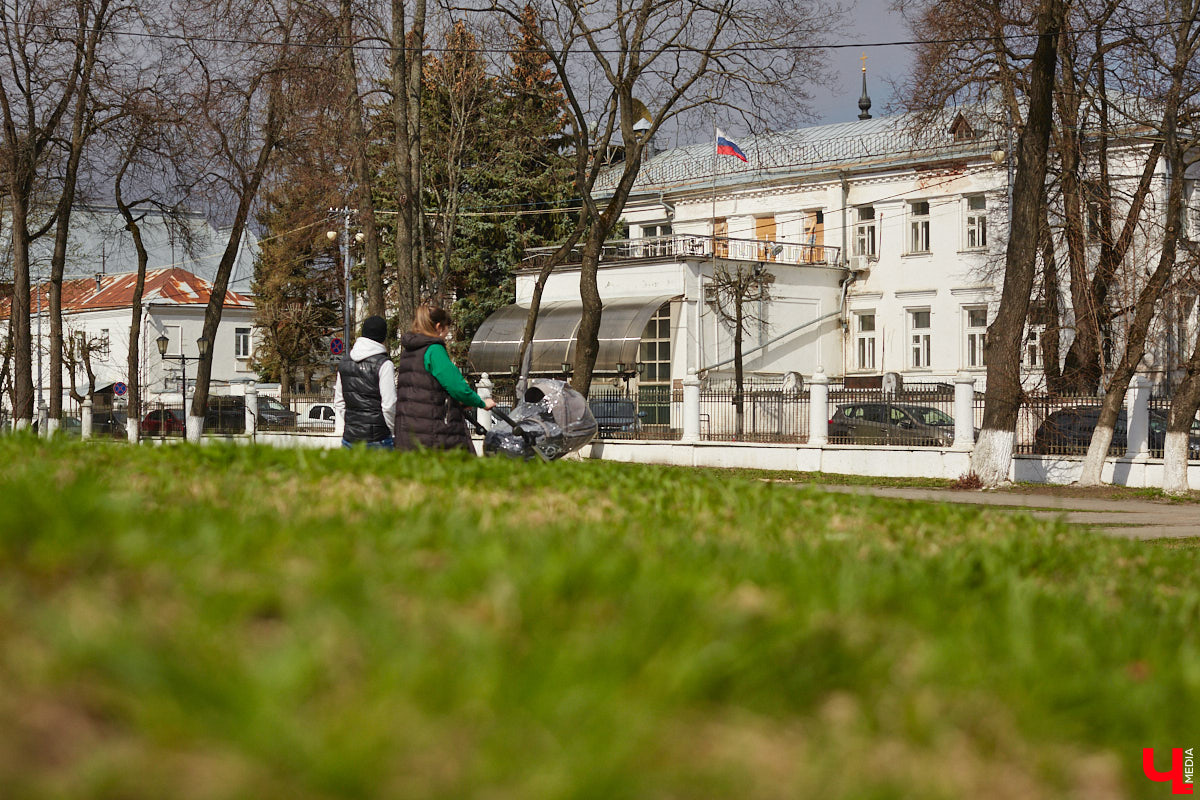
{"x": 271, "y": 403}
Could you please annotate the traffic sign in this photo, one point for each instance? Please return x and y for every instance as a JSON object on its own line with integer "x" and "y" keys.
{"x": 336, "y": 346}
{"x": 119, "y": 389}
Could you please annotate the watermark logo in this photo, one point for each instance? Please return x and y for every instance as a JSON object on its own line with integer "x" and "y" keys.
{"x": 1181, "y": 773}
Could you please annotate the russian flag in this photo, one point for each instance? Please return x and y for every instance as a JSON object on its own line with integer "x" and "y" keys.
{"x": 726, "y": 147}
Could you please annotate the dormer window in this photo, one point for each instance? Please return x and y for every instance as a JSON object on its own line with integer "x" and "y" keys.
{"x": 961, "y": 130}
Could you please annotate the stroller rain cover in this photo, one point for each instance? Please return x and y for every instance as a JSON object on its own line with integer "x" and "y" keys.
{"x": 551, "y": 420}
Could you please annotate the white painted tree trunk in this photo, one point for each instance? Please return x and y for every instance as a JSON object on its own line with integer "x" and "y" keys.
{"x": 991, "y": 460}
{"x": 21, "y": 424}
{"x": 133, "y": 427}
{"x": 195, "y": 427}
{"x": 1093, "y": 462}
{"x": 1175, "y": 463}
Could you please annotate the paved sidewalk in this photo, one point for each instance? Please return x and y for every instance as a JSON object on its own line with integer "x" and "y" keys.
{"x": 1136, "y": 519}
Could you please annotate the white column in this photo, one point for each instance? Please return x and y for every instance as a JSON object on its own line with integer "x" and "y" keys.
{"x": 1137, "y": 414}
{"x": 251, "y": 409}
{"x": 818, "y": 408}
{"x": 691, "y": 407}
{"x": 964, "y": 411}
{"x": 85, "y": 419}
{"x": 484, "y": 389}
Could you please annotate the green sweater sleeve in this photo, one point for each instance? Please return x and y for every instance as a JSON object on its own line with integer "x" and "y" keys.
{"x": 438, "y": 362}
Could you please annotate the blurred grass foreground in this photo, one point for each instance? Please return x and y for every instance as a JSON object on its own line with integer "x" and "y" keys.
{"x": 225, "y": 622}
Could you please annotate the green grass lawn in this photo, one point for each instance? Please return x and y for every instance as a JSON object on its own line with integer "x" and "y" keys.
{"x": 225, "y": 622}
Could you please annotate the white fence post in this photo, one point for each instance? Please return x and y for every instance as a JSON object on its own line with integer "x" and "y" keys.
{"x": 964, "y": 411}
{"x": 818, "y": 408}
{"x": 691, "y": 408}
{"x": 85, "y": 418}
{"x": 1137, "y": 415}
{"x": 484, "y": 390}
{"x": 251, "y": 409}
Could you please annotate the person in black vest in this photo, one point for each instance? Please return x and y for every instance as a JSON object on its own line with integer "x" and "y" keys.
{"x": 432, "y": 392}
{"x": 364, "y": 396}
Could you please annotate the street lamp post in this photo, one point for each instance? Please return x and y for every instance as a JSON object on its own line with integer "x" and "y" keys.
{"x": 347, "y": 254}
{"x": 201, "y": 347}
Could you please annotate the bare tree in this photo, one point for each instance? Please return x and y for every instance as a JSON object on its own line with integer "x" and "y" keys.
{"x": 41, "y": 55}
{"x": 992, "y": 456}
{"x": 739, "y": 292}
{"x": 1174, "y": 65}
{"x": 94, "y": 21}
{"x": 406, "y": 68}
{"x": 619, "y": 63}
{"x": 240, "y": 108}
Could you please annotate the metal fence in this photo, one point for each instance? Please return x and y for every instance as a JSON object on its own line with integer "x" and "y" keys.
{"x": 1062, "y": 425}
{"x": 764, "y": 412}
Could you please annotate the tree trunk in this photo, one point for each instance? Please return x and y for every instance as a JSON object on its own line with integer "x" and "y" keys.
{"x": 133, "y": 363}
{"x": 1184, "y": 403}
{"x": 992, "y": 457}
{"x": 1147, "y": 300}
{"x": 362, "y": 168}
{"x": 22, "y": 335}
{"x": 738, "y": 372}
{"x": 1049, "y": 343}
{"x": 587, "y": 340}
{"x": 216, "y": 302}
{"x": 406, "y": 122}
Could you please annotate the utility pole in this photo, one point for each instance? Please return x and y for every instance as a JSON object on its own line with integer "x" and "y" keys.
{"x": 348, "y": 321}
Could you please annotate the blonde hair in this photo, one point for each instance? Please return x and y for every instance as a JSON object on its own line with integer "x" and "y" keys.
{"x": 427, "y": 319}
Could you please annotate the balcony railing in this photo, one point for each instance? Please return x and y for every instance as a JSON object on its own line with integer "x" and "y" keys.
{"x": 680, "y": 246}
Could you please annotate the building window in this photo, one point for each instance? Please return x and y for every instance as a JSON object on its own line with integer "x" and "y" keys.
{"x": 864, "y": 324}
{"x": 103, "y": 345}
{"x": 976, "y": 222}
{"x": 864, "y": 232}
{"x": 976, "y": 332}
{"x": 919, "y": 338}
{"x": 1031, "y": 354}
{"x": 654, "y": 384}
{"x": 241, "y": 342}
{"x": 918, "y": 240}
{"x": 661, "y": 247}
{"x": 1093, "y": 197}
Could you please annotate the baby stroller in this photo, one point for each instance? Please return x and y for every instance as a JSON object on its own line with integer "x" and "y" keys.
{"x": 551, "y": 420}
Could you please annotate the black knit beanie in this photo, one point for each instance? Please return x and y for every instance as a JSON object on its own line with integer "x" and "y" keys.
{"x": 375, "y": 328}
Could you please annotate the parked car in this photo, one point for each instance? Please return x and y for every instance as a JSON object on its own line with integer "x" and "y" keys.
{"x": 109, "y": 423}
{"x": 319, "y": 417}
{"x": 164, "y": 422}
{"x": 891, "y": 423}
{"x": 1068, "y": 431}
{"x": 227, "y": 414}
{"x": 616, "y": 415}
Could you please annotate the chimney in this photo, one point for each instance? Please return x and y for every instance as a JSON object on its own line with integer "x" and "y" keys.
{"x": 99, "y": 277}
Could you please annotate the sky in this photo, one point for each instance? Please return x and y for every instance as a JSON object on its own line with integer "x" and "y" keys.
{"x": 870, "y": 21}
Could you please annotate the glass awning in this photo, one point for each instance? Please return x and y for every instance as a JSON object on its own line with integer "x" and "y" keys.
{"x": 497, "y": 342}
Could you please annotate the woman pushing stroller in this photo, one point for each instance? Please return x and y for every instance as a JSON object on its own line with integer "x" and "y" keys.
{"x": 431, "y": 392}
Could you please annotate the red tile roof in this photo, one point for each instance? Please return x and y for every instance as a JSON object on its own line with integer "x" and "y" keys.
{"x": 170, "y": 285}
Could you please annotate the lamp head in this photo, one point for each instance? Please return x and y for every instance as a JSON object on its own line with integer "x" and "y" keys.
{"x": 998, "y": 156}
{"x": 202, "y": 345}
{"x": 163, "y": 343}
{"x": 331, "y": 236}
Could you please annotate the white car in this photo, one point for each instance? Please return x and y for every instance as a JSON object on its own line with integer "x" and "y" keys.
{"x": 319, "y": 417}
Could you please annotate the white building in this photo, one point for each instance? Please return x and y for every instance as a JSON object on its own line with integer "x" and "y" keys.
{"x": 886, "y": 238}
{"x": 99, "y": 310}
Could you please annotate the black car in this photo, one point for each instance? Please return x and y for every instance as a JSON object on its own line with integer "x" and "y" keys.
{"x": 1068, "y": 431}
{"x": 227, "y": 414}
{"x": 616, "y": 415}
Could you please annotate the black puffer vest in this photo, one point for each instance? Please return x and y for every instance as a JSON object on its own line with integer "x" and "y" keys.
{"x": 426, "y": 415}
{"x": 364, "y": 405}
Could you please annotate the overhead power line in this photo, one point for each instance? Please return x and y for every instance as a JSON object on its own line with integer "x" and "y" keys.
{"x": 741, "y": 47}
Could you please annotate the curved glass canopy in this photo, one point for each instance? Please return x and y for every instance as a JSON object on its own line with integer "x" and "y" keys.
{"x": 497, "y": 342}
